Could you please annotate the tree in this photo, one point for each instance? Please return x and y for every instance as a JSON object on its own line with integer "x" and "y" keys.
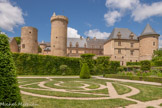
{"x": 157, "y": 58}
{"x": 18, "y": 40}
{"x": 85, "y": 74}
{"x": 145, "y": 65}
{"x": 9, "y": 90}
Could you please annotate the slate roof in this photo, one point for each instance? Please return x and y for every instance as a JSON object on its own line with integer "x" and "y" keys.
{"x": 81, "y": 42}
{"x": 148, "y": 30}
{"x": 125, "y": 33}
{"x": 98, "y": 43}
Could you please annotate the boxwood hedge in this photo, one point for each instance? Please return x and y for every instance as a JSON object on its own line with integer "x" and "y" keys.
{"x": 34, "y": 64}
{"x": 9, "y": 90}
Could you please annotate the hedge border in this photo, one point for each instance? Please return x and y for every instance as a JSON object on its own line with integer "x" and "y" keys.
{"x": 139, "y": 78}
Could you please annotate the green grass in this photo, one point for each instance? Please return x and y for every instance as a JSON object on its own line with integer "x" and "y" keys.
{"x": 147, "y": 92}
{"x": 121, "y": 89}
{"x": 150, "y": 107}
{"x": 53, "y": 103}
{"x": 160, "y": 104}
{"x": 60, "y": 94}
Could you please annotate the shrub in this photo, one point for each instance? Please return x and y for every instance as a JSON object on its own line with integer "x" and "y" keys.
{"x": 102, "y": 64}
{"x": 158, "y": 63}
{"x": 133, "y": 63}
{"x": 113, "y": 69}
{"x": 88, "y": 58}
{"x": 120, "y": 69}
{"x": 145, "y": 65}
{"x": 9, "y": 90}
{"x": 34, "y": 64}
{"x": 85, "y": 74}
{"x": 141, "y": 78}
{"x": 65, "y": 70}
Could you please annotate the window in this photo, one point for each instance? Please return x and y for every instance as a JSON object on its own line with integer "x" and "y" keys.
{"x": 153, "y": 43}
{"x": 122, "y": 63}
{"x": 131, "y": 37}
{"x": 77, "y": 51}
{"x": 85, "y": 45}
{"x": 70, "y": 44}
{"x": 131, "y": 52}
{"x": 70, "y": 51}
{"x": 136, "y": 60}
{"x": 23, "y": 45}
{"x": 122, "y": 57}
{"x": 119, "y": 43}
{"x": 119, "y": 51}
{"x": 77, "y": 44}
{"x": 119, "y": 35}
{"x": 115, "y": 56}
{"x": 130, "y": 60}
{"x": 30, "y": 32}
{"x": 132, "y": 45}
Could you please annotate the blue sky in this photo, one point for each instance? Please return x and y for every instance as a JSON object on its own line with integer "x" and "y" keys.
{"x": 93, "y": 18}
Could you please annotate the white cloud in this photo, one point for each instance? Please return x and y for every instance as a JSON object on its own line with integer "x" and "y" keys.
{"x": 122, "y": 4}
{"x": 111, "y": 17}
{"x": 96, "y": 33}
{"x": 10, "y": 15}
{"x": 139, "y": 11}
{"x": 73, "y": 33}
{"x": 145, "y": 11}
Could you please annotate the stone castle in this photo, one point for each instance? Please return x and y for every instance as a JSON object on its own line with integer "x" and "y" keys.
{"x": 122, "y": 45}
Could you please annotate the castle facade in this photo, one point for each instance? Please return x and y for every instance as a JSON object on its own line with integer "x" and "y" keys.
{"x": 122, "y": 45}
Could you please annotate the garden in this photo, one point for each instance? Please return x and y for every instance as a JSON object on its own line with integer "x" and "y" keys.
{"x": 64, "y": 82}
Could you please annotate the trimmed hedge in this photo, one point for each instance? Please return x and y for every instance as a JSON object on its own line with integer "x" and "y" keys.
{"x": 113, "y": 69}
{"x": 33, "y": 64}
{"x": 85, "y": 74}
{"x": 145, "y": 65}
{"x": 133, "y": 63}
{"x": 88, "y": 58}
{"x": 9, "y": 90}
{"x": 130, "y": 77}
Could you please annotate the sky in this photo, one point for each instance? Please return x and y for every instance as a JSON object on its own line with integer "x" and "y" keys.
{"x": 92, "y": 18}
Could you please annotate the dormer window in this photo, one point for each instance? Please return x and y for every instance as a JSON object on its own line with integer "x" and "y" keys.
{"x": 131, "y": 35}
{"x": 85, "y": 45}
{"x": 77, "y": 44}
{"x": 119, "y": 35}
{"x": 70, "y": 44}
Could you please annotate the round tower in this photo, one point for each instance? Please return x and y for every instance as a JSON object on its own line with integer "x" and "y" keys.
{"x": 29, "y": 40}
{"x": 148, "y": 42}
{"x": 59, "y": 35}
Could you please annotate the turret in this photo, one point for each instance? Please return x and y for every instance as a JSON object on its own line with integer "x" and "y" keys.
{"x": 59, "y": 35}
{"x": 29, "y": 40}
{"x": 149, "y": 42}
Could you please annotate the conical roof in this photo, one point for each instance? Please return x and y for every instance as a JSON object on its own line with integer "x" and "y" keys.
{"x": 148, "y": 30}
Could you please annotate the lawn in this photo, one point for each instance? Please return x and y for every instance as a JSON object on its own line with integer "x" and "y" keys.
{"x": 83, "y": 88}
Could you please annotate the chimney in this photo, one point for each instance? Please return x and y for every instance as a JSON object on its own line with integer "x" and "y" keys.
{"x": 81, "y": 37}
{"x": 88, "y": 38}
{"x": 94, "y": 38}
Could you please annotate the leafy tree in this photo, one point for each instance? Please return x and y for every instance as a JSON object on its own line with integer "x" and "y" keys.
{"x": 85, "y": 74}
{"x": 39, "y": 49}
{"x": 157, "y": 58}
{"x": 145, "y": 65}
{"x": 9, "y": 90}
{"x": 102, "y": 64}
{"x": 18, "y": 40}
